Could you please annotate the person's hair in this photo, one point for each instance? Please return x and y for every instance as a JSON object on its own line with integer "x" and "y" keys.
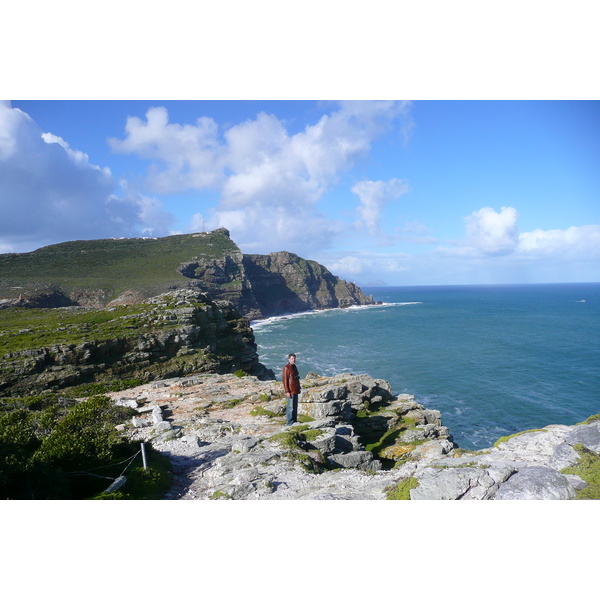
{"x": 291, "y": 354}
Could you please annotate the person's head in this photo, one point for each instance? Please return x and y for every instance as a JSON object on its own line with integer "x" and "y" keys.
{"x": 292, "y": 358}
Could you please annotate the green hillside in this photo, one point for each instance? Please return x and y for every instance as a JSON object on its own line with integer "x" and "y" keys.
{"x": 112, "y": 265}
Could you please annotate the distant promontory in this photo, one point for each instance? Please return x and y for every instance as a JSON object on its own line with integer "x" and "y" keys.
{"x": 112, "y": 272}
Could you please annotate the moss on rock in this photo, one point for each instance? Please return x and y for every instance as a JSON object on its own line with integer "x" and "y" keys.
{"x": 401, "y": 491}
{"x": 588, "y": 468}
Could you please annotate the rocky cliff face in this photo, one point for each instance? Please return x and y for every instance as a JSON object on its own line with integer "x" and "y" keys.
{"x": 266, "y": 285}
{"x": 283, "y": 282}
{"x": 173, "y": 334}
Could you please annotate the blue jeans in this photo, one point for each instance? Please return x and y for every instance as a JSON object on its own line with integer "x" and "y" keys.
{"x": 291, "y": 411}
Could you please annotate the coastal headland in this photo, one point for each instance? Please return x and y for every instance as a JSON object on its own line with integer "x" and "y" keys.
{"x": 165, "y": 325}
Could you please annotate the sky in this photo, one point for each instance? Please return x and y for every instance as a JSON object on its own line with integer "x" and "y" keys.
{"x": 411, "y": 144}
{"x": 402, "y": 192}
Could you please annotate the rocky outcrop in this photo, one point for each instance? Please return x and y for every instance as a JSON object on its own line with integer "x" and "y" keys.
{"x": 526, "y": 466}
{"x": 100, "y": 273}
{"x": 282, "y": 282}
{"x": 226, "y": 438}
{"x": 266, "y": 285}
{"x": 173, "y": 334}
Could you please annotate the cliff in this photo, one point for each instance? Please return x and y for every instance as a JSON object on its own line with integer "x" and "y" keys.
{"x": 173, "y": 334}
{"x": 226, "y": 439}
{"x": 101, "y": 273}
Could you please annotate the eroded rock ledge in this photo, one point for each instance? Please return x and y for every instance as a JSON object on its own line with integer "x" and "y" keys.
{"x": 173, "y": 334}
{"x": 227, "y": 439}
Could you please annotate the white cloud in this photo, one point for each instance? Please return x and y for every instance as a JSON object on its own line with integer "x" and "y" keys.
{"x": 574, "y": 242}
{"x": 373, "y": 195}
{"x": 186, "y": 156}
{"x": 489, "y": 233}
{"x": 269, "y": 180}
{"x": 493, "y": 233}
{"x": 76, "y": 156}
{"x": 368, "y": 265}
{"x": 50, "y": 192}
{"x": 280, "y": 227}
{"x": 348, "y": 265}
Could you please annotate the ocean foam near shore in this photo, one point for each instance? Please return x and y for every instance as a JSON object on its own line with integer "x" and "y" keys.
{"x": 261, "y": 323}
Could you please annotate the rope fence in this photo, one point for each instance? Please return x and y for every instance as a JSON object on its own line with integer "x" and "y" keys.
{"x": 121, "y": 479}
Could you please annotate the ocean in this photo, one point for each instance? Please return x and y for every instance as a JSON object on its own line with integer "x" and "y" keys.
{"x": 494, "y": 359}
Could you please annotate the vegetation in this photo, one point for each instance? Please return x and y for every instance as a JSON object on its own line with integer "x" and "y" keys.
{"x": 54, "y": 447}
{"x": 401, "y": 491}
{"x": 258, "y": 411}
{"x": 24, "y": 329}
{"x": 588, "y": 468}
{"x": 293, "y": 439}
{"x": 233, "y": 403}
{"x": 113, "y": 266}
{"x": 219, "y": 495}
{"x": 508, "y": 437}
{"x": 591, "y": 419}
{"x": 305, "y": 419}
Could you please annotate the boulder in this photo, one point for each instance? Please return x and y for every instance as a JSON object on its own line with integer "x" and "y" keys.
{"x": 361, "y": 459}
{"x": 536, "y": 483}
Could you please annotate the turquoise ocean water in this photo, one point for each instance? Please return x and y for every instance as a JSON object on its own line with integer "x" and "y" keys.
{"x": 494, "y": 359}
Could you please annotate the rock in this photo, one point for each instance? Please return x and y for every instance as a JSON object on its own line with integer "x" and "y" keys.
{"x": 324, "y": 443}
{"x": 242, "y": 456}
{"x": 191, "y": 439}
{"x": 576, "y": 482}
{"x": 362, "y": 459}
{"x": 459, "y": 483}
{"x": 536, "y": 483}
{"x": 157, "y": 415}
{"x": 244, "y": 445}
{"x": 588, "y": 435}
{"x": 346, "y": 443}
{"x": 564, "y": 456}
{"x": 320, "y": 410}
{"x": 128, "y": 402}
{"x": 174, "y": 334}
{"x": 432, "y": 450}
{"x": 163, "y": 426}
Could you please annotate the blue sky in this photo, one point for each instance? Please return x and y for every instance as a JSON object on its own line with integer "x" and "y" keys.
{"x": 490, "y": 174}
{"x": 423, "y": 192}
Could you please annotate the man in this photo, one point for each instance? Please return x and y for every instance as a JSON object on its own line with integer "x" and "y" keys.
{"x": 291, "y": 385}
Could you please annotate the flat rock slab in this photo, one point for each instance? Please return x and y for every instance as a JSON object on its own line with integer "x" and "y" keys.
{"x": 536, "y": 483}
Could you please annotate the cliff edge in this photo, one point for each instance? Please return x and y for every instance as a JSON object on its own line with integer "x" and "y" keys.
{"x": 226, "y": 439}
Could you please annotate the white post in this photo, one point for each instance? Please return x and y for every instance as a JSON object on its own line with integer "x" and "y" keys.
{"x": 144, "y": 457}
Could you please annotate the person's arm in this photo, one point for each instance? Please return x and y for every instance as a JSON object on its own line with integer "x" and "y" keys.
{"x": 285, "y": 380}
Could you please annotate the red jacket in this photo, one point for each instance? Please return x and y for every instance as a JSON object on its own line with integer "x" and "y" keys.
{"x": 291, "y": 379}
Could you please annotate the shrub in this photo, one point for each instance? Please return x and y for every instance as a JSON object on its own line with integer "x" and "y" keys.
{"x": 85, "y": 437}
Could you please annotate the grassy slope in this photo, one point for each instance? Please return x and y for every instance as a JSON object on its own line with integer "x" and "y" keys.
{"x": 24, "y": 328}
{"x": 114, "y": 265}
